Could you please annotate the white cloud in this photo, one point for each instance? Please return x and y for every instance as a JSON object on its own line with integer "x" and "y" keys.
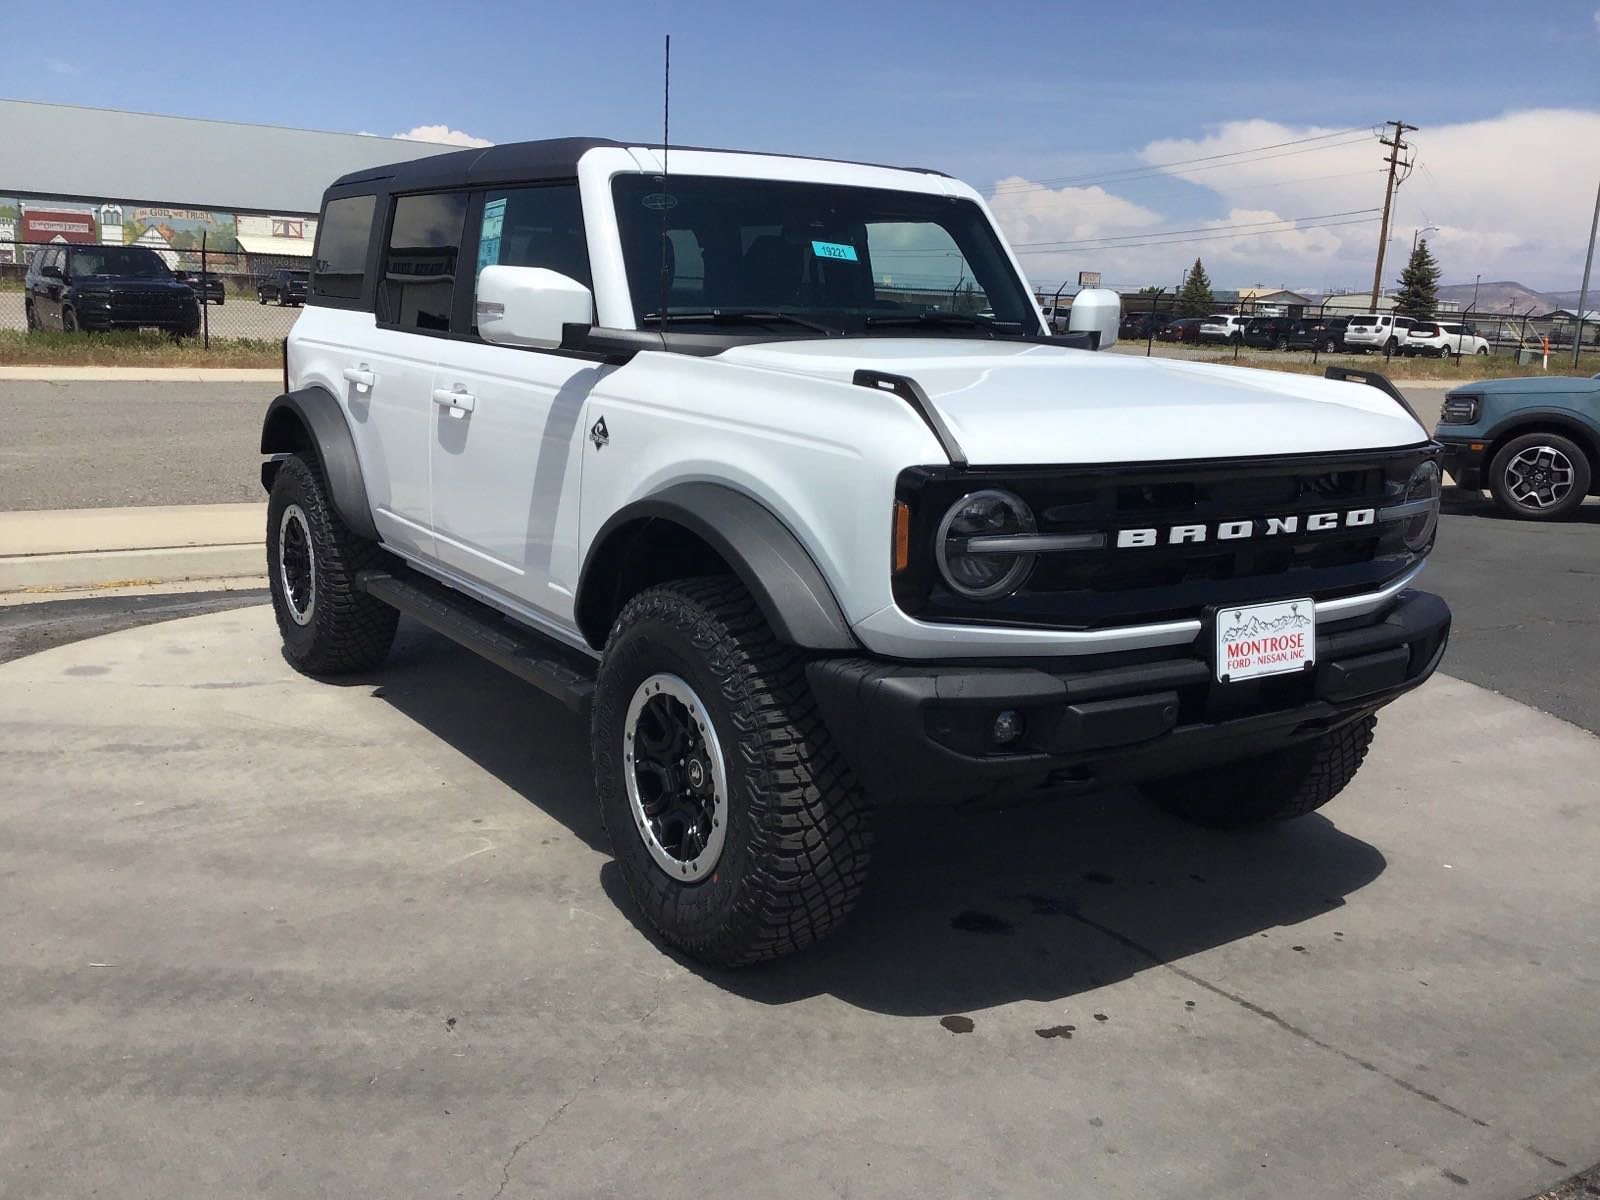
{"x": 443, "y": 134}
{"x": 61, "y": 66}
{"x": 1511, "y": 196}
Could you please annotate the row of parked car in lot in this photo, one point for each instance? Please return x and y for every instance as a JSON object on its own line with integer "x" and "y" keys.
{"x": 72, "y": 288}
{"x": 1377, "y": 332}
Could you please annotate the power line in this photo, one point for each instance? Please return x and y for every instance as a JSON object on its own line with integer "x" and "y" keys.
{"x": 1168, "y": 167}
{"x": 1216, "y": 238}
{"x": 1150, "y": 233}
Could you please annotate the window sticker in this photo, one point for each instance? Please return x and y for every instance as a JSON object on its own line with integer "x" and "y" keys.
{"x": 838, "y": 250}
{"x": 494, "y": 218}
{"x": 659, "y": 201}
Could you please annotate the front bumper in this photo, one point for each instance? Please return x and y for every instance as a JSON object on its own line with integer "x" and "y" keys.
{"x": 919, "y": 732}
{"x": 1463, "y": 460}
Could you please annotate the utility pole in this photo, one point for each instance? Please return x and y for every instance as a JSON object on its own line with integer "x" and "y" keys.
{"x": 1583, "y": 293}
{"x": 1395, "y": 147}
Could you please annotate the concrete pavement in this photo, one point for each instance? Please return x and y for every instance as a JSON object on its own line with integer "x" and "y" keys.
{"x": 96, "y": 547}
{"x": 264, "y": 934}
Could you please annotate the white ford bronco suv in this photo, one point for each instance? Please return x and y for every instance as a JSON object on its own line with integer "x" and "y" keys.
{"x": 770, "y": 469}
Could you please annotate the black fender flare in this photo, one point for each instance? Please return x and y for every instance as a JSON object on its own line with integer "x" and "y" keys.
{"x": 760, "y": 549}
{"x": 310, "y": 417}
{"x": 1569, "y": 423}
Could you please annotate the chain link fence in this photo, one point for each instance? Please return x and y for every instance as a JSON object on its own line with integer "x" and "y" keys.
{"x": 1164, "y": 325}
{"x": 245, "y": 297}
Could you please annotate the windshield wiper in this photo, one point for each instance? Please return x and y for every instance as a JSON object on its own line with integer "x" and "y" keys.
{"x": 739, "y": 316}
{"x": 943, "y": 319}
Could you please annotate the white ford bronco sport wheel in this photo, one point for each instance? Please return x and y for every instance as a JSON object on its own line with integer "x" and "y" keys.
{"x": 738, "y": 828}
{"x": 328, "y": 624}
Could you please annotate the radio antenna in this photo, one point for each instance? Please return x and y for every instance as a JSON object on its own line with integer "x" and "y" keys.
{"x": 666, "y": 127}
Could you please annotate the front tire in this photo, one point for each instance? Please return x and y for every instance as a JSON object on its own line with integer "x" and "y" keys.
{"x": 69, "y": 321}
{"x": 329, "y": 626}
{"x": 1540, "y": 477}
{"x": 1274, "y": 787}
{"x": 739, "y": 830}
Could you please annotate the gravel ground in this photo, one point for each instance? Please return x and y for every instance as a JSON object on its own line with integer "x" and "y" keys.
{"x": 235, "y": 319}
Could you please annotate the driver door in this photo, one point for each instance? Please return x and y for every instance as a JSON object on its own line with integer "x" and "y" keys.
{"x": 505, "y": 458}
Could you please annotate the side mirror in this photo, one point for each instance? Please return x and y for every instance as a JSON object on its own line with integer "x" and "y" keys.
{"x": 527, "y": 306}
{"x": 51, "y": 272}
{"x": 1096, "y": 310}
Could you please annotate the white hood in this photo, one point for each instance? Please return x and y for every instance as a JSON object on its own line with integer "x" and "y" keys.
{"x": 1021, "y": 403}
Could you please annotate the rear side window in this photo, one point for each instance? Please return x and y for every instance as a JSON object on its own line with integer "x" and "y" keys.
{"x": 417, "y": 283}
{"x": 342, "y": 237}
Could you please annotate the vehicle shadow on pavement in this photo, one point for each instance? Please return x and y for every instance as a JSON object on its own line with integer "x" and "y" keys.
{"x": 969, "y": 910}
{"x": 965, "y": 909}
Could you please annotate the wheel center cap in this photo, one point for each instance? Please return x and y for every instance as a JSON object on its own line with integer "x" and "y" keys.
{"x": 697, "y": 774}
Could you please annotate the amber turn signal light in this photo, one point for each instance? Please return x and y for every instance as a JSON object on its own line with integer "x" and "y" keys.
{"x": 902, "y": 535}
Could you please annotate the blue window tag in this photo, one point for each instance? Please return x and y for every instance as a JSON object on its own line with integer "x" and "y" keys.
{"x": 839, "y": 250}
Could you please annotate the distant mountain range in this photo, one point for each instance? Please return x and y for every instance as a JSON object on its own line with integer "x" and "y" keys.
{"x": 1505, "y": 294}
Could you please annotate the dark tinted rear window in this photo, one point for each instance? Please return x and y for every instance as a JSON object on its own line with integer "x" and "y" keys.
{"x": 417, "y": 283}
{"x": 342, "y": 240}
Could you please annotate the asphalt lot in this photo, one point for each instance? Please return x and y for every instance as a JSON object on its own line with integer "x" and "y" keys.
{"x": 110, "y": 445}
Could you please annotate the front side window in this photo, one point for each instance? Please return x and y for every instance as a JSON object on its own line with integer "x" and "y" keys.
{"x": 418, "y": 277}
{"x": 837, "y": 259}
{"x": 535, "y": 227}
{"x": 342, "y": 237}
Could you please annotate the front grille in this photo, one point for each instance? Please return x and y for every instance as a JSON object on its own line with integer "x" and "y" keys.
{"x": 1096, "y": 588}
{"x": 130, "y": 306}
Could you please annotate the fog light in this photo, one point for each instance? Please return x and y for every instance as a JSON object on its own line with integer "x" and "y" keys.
{"x": 1009, "y": 726}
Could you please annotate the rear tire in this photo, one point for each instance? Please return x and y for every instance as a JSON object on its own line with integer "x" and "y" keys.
{"x": 1274, "y": 787}
{"x": 30, "y": 317}
{"x": 739, "y": 829}
{"x": 329, "y": 626}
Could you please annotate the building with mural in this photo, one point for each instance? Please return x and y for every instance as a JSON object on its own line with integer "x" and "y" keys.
{"x": 249, "y": 193}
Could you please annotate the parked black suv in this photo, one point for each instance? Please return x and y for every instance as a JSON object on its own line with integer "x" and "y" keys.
{"x": 205, "y": 285}
{"x": 107, "y": 287}
{"x": 1271, "y": 333}
{"x": 283, "y": 287}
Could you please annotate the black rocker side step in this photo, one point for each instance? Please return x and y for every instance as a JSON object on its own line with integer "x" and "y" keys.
{"x": 548, "y": 665}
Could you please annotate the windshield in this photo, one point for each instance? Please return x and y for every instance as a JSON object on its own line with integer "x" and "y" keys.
{"x": 846, "y": 259}
{"x": 124, "y": 262}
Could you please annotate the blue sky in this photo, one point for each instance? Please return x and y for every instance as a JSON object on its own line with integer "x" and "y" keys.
{"x": 988, "y": 92}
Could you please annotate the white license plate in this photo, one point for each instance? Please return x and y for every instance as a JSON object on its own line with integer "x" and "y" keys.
{"x": 1265, "y": 639}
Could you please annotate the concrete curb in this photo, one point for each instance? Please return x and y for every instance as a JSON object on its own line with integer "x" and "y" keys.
{"x": 76, "y": 374}
{"x": 105, "y": 547}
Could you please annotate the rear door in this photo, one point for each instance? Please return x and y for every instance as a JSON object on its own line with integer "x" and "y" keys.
{"x": 506, "y": 438}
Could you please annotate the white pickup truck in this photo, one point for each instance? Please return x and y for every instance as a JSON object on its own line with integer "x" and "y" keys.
{"x": 770, "y": 471}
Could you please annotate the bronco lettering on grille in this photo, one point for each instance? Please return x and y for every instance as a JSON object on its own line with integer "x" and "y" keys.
{"x": 1175, "y": 535}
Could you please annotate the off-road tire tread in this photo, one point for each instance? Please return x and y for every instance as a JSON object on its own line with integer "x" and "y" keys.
{"x": 1281, "y": 786}
{"x": 354, "y": 632}
{"x": 811, "y": 836}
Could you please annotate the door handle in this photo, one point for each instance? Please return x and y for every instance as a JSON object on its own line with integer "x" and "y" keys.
{"x": 361, "y": 376}
{"x": 460, "y": 403}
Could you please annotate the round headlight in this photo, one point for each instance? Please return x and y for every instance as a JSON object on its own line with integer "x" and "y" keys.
{"x": 973, "y": 564}
{"x": 1423, "y": 485}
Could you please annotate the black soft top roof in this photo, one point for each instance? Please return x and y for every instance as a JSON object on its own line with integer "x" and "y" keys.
{"x": 513, "y": 162}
